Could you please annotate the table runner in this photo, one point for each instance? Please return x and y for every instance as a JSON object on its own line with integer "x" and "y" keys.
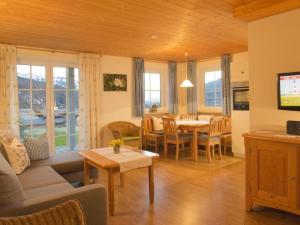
{"x": 127, "y": 159}
{"x": 191, "y": 122}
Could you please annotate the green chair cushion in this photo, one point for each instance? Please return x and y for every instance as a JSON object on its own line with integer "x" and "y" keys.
{"x": 130, "y": 138}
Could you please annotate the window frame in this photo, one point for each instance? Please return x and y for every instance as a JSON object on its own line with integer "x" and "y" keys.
{"x": 31, "y": 90}
{"x": 160, "y": 89}
{"x": 203, "y": 107}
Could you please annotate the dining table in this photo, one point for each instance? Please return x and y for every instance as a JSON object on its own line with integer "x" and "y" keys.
{"x": 194, "y": 126}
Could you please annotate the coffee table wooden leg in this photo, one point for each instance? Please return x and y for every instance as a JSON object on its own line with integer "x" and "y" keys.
{"x": 111, "y": 195}
{"x": 86, "y": 172}
{"x": 151, "y": 183}
{"x": 122, "y": 179}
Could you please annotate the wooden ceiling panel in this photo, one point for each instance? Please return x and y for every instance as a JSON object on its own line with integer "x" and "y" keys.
{"x": 203, "y": 28}
{"x": 257, "y": 9}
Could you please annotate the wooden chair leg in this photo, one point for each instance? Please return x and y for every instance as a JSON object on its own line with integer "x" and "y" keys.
{"x": 165, "y": 148}
{"x": 225, "y": 147}
{"x": 208, "y": 156}
{"x": 220, "y": 151}
{"x": 213, "y": 152}
{"x": 156, "y": 146}
{"x": 177, "y": 151}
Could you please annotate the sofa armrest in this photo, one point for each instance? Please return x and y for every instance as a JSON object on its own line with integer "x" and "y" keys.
{"x": 92, "y": 198}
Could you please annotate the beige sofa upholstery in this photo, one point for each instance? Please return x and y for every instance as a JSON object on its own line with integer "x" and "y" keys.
{"x": 43, "y": 186}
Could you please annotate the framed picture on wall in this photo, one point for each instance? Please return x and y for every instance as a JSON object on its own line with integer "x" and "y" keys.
{"x": 114, "y": 82}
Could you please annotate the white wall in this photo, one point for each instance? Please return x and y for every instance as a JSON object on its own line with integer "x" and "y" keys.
{"x": 274, "y": 47}
{"x": 240, "y": 120}
{"x": 118, "y": 105}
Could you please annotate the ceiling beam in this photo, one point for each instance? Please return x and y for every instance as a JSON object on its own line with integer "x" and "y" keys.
{"x": 258, "y": 9}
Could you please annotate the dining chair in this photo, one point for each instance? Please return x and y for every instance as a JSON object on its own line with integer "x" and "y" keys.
{"x": 173, "y": 136}
{"x": 188, "y": 117}
{"x": 226, "y": 139}
{"x": 212, "y": 138}
{"x": 152, "y": 138}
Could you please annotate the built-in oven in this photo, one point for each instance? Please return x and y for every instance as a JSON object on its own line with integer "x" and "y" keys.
{"x": 240, "y": 96}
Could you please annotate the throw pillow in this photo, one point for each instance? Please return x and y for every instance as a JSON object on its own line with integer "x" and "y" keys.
{"x": 157, "y": 124}
{"x": 17, "y": 155}
{"x": 11, "y": 191}
{"x": 6, "y": 135}
{"x": 37, "y": 149}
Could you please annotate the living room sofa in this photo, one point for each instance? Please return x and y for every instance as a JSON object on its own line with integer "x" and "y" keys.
{"x": 45, "y": 184}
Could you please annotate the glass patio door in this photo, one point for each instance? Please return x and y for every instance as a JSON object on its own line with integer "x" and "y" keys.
{"x": 48, "y": 104}
{"x": 65, "y": 108}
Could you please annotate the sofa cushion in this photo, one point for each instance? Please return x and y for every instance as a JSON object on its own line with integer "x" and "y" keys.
{"x": 67, "y": 162}
{"x": 47, "y": 190}
{"x": 17, "y": 155}
{"x": 157, "y": 124}
{"x": 38, "y": 148}
{"x": 35, "y": 177}
{"x": 10, "y": 189}
{"x": 6, "y": 135}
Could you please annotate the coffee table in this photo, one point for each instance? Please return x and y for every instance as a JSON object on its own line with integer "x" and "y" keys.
{"x": 93, "y": 159}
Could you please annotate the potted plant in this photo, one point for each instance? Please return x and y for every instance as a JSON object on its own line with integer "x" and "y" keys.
{"x": 116, "y": 144}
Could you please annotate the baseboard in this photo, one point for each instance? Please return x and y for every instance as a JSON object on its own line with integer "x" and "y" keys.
{"x": 239, "y": 155}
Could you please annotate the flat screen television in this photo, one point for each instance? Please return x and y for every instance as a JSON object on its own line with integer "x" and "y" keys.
{"x": 288, "y": 89}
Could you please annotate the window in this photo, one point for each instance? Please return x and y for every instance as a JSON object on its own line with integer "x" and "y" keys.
{"x": 152, "y": 89}
{"x": 63, "y": 85}
{"x": 32, "y": 100}
{"x": 213, "y": 89}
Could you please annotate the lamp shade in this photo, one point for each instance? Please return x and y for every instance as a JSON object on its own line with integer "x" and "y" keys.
{"x": 186, "y": 83}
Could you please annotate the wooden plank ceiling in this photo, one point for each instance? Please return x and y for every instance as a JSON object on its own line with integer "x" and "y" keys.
{"x": 203, "y": 28}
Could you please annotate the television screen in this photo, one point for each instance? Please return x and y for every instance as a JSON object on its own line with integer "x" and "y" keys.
{"x": 289, "y": 91}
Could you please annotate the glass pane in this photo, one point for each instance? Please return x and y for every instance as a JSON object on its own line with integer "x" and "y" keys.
{"x": 24, "y": 100}
{"x": 73, "y": 101}
{"x": 25, "y": 131}
{"x": 155, "y": 81}
{"x": 25, "y": 117}
{"x": 155, "y": 97}
{"x": 60, "y": 141}
{"x": 60, "y": 101}
{"x": 39, "y": 102}
{"x": 38, "y": 130}
{"x": 59, "y": 77}
{"x": 147, "y": 99}
{"x": 147, "y": 81}
{"x": 23, "y": 72}
{"x": 38, "y": 77}
{"x": 76, "y": 79}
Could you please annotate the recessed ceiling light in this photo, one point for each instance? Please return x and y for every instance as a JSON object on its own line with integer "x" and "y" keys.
{"x": 153, "y": 36}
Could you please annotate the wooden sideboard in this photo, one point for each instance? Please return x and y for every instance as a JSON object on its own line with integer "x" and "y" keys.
{"x": 273, "y": 170}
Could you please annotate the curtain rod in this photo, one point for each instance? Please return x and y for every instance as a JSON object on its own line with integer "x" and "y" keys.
{"x": 74, "y": 52}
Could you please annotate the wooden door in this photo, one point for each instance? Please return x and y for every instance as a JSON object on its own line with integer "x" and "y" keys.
{"x": 273, "y": 172}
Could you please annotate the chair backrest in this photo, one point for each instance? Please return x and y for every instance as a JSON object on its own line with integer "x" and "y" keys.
{"x": 69, "y": 212}
{"x": 147, "y": 125}
{"x": 226, "y": 125}
{"x": 188, "y": 117}
{"x": 215, "y": 127}
{"x": 170, "y": 127}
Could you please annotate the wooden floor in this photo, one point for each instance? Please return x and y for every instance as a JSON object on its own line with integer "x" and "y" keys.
{"x": 189, "y": 193}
